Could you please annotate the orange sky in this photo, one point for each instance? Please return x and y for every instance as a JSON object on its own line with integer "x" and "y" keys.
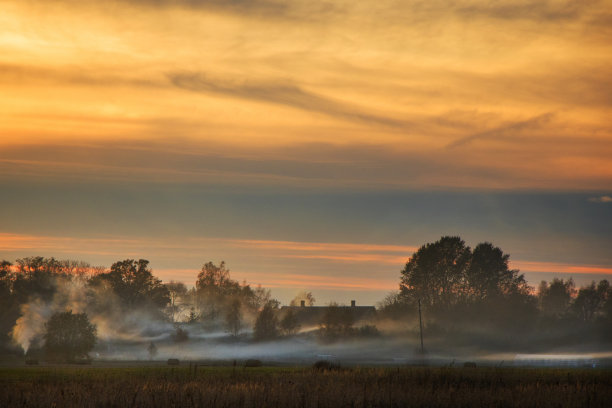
{"x": 386, "y": 260}
{"x": 520, "y": 89}
{"x": 184, "y": 96}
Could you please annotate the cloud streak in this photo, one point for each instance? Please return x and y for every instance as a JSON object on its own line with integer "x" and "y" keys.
{"x": 540, "y": 11}
{"x": 513, "y": 130}
{"x": 347, "y": 252}
{"x": 286, "y": 94}
{"x": 255, "y": 251}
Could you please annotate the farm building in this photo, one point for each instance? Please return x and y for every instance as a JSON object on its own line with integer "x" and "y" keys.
{"x": 313, "y": 315}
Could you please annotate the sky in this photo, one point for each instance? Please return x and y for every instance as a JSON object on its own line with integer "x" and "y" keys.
{"x": 310, "y": 144}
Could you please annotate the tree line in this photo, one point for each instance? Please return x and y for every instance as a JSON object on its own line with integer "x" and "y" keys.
{"x": 463, "y": 292}
{"x": 215, "y": 302}
{"x": 463, "y": 289}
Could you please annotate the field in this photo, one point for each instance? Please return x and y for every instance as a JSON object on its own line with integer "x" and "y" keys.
{"x": 162, "y": 386}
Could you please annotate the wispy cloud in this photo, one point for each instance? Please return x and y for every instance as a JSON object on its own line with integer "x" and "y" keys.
{"x": 40, "y": 74}
{"x": 554, "y": 267}
{"x": 540, "y": 11}
{"x": 281, "y": 93}
{"x": 332, "y": 251}
{"x": 514, "y": 130}
{"x": 314, "y": 165}
{"x": 326, "y": 246}
{"x": 125, "y": 247}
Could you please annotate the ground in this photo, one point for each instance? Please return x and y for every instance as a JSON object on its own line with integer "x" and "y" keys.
{"x": 144, "y": 385}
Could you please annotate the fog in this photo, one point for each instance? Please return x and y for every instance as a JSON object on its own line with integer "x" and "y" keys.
{"x": 221, "y": 321}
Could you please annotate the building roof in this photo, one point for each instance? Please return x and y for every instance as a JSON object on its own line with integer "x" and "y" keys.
{"x": 314, "y": 314}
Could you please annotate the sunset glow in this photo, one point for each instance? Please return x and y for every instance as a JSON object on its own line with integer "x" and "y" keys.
{"x": 309, "y": 144}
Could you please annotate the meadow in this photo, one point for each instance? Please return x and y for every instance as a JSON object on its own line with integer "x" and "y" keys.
{"x": 207, "y": 386}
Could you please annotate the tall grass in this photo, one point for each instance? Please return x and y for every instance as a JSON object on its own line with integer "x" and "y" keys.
{"x": 302, "y": 387}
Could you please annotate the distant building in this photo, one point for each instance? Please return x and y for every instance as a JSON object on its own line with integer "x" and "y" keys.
{"x": 313, "y": 315}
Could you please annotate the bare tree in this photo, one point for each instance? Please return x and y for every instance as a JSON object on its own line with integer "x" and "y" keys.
{"x": 177, "y": 291}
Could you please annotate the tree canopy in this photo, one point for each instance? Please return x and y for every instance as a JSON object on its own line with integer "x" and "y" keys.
{"x": 436, "y": 273}
{"x": 447, "y": 273}
{"x": 69, "y": 336}
{"x": 134, "y": 283}
{"x": 266, "y": 325}
{"x": 216, "y": 291}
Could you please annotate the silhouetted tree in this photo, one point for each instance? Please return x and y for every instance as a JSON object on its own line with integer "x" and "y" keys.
{"x": 214, "y": 286}
{"x": 555, "y": 297}
{"x": 266, "y": 325}
{"x": 176, "y": 290}
{"x": 216, "y": 292}
{"x": 289, "y": 324}
{"x": 393, "y": 306}
{"x": 37, "y": 277}
{"x": 6, "y": 280}
{"x": 488, "y": 275}
{"x": 606, "y": 313}
{"x": 233, "y": 318}
{"x": 436, "y": 273}
{"x": 69, "y": 336}
{"x": 590, "y": 300}
{"x": 260, "y": 297}
{"x": 9, "y": 308}
{"x": 336, "y": 321}
{"x": 134, "y": 284}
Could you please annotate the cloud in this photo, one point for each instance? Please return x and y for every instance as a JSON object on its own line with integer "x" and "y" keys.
{"x": 539, "y": 10}
{"x": 353, "y": 166}
{"x": 32, "y": 74}
{"x": 379, "y": 256}
{"x": 367, "y": 100}
{"x": 513, "y": 130}
{"x": 281, "y": 93}
{"x": 601, "y": 199}
{"x": 134, "y": 247}
{"x": 295, "y": 10}
{"x": 555, "y": 267}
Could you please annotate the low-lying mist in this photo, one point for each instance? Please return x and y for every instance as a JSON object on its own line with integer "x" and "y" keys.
{"x": 136, "y": 317}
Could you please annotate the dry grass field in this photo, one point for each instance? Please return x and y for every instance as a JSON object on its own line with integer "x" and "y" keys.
{"x": 161, "y": 386}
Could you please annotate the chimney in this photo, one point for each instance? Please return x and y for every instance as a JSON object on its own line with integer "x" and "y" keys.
{"x": 303, "y": 303}
{"x": 352, "y": 303}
